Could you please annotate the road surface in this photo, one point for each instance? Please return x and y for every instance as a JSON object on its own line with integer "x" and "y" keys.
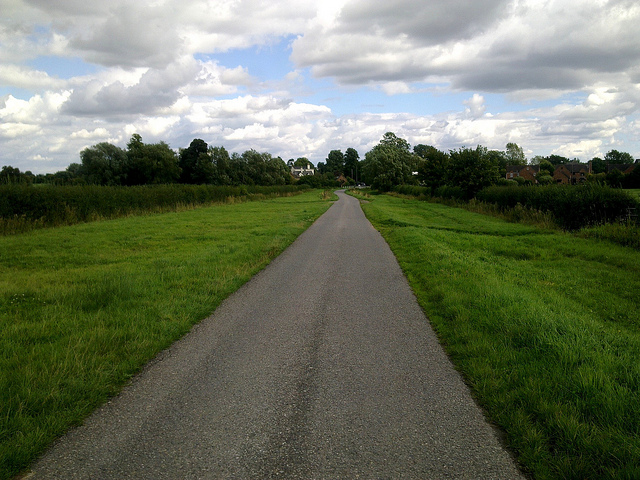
{"x": 323, "y": 366}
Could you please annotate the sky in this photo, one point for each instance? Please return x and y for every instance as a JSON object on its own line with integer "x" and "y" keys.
{"x": 301, "y": 78}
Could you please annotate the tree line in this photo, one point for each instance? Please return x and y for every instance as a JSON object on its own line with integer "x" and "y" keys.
{"x": 390, "y": 163}
{"x": 153, "y": 164}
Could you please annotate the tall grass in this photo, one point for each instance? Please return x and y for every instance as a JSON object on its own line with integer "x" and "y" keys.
{"x": 26, "y": 207}
{"x": 543, "y": 325}
{"x": 83, "y": 307}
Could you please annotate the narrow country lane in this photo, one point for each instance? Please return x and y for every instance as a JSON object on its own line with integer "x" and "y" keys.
{"x": 323, "y": 366}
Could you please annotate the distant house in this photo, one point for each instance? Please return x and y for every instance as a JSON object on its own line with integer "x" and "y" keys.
{"x": 572, "y": 173}
{"x": 528, "y": 172}
{"x": 303, "y": 171}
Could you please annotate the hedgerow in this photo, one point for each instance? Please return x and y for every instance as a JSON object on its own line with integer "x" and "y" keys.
{"x": 24, "y": 207}
{"x": 573, "y": 207}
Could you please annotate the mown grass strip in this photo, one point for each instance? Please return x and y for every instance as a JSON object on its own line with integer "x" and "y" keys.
{"x": 82, "y": 308}
{"x": 543, "y": 325}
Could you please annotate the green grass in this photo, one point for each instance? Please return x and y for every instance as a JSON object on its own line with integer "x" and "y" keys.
{"x": 83, "y": 307}
{"x": 543, "y": 325}
{"x": 635, "y": 192}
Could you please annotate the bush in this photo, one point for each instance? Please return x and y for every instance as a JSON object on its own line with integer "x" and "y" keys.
{"x": 573, "y": 207}
{"x": 452, "y": 193}
{"x": 412, "y": 190}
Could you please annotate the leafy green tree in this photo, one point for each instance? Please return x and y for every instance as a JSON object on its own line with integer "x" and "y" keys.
{"x": 74, "y": 170}
{"x": 546, "y": 168}
{"x": 557, "y": 159}
{"x": 389, "y": 163}
{"x": 301, "y": 162}
{"x": 193, "y": 168}
{"x": 335, "y": 162}
{"x": 515, "y": 155}
{"x": 103, "y": 164}
{"x": 615, "y": 178}
{"x": 473, "y": 170}
{"x": 204, "y": 172}
{"x": 390, "y": 139}
{"x": 614, "y": 157}
{"x": 221, "y": 165}
{"x": 500, "y": 159}
{"x": 433, "y": 170}
{"x": 263, "y": 169}
{"x": 150, "y": 164}
{"x": 352, "y": 163}
{"x": 544, "y": 178}
{"x": 598, "y": 165}
{"x": 12, "y": 175}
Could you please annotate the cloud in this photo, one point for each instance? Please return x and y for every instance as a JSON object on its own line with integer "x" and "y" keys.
{"x": 156, "y": 89}
{"x": 29, "y": 79}
{"x": 431, "y": 22}
{"x": 497, "y": 46}
{"x": 132, "y": 35}
{"x": 475, "y": 106}
{"x": 213, "y": 80}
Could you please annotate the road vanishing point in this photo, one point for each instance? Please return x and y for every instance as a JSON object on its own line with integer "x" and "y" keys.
{"x": 323, "y": 366}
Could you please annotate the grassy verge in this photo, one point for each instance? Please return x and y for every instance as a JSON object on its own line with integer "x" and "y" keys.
{"x": 543, "y": 325}
{"x": 82, "y": 308}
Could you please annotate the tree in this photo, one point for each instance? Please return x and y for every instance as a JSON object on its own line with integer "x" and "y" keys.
{"x": 598, "y": 165}
{"x": 615, "y": 178}
{"x": 557, "y": 159}
{"x": 391, "y": 140}
{"x": 614, "y": 157}
{"x": 543, "y": 178}
{"x": 150, "y": 164}
{"x": 335, "y": 162}
{"x": 546, "y": 168}
{"x": 473, "y": 170}
{"x": 351, "y": 163}
{"x": 263, "y": 169}
{"x": 193, "y": 168}
{"x": 514, "y": 154}
{"x": 103, "y": 164}
{"x": 302, "y": 162}
{"x": 432, "y": 171}
{"x": 222, "y": 166}
{"x": 12, "y": 175}
{"x": 389, "y": 163}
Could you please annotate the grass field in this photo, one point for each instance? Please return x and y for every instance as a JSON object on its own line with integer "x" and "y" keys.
{"x": 82, "y": 308}
{"x": 635, "y": 192}
{"x": 543, "y": 325}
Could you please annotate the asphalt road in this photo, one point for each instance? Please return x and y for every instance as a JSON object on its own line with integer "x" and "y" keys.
{"x": 323, "y": 366}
